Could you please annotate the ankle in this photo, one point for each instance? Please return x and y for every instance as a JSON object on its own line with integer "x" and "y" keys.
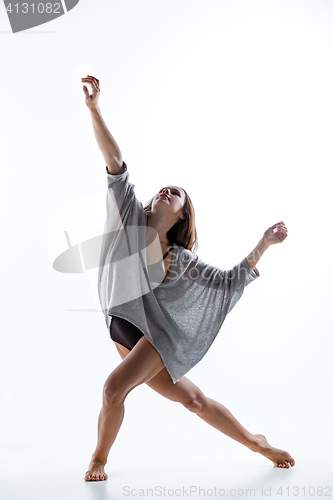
{"x": 258, "y": 444}
{"x": 96, "y": 458}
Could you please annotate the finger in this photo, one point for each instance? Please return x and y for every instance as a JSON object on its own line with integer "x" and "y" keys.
{"x": 94, "y": 85}
{"x": 90, "y": 78}
{"x": 280, "y": 230}
{"x": 91, "y": 82}
{"x": 280, "y": 226}
{"x": 87, "y": 79}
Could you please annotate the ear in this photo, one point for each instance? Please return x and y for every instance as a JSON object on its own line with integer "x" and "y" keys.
{"x": 182, "y": 216}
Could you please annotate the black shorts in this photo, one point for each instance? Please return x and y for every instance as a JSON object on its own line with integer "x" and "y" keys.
{"x": 124, "y": 332}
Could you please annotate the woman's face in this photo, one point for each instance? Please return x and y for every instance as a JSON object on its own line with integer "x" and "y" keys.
{"x": 173, "y": 199}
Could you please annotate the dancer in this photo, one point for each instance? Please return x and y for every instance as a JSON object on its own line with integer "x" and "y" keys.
{"x": 163, "y": 306}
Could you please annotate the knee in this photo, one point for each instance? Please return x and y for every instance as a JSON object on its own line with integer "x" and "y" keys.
{"x": 113, "y": 393}
{"x": 195, "y": 404}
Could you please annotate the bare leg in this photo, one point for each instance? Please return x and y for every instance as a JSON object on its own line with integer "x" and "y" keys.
{"x": 217, "y": 415}
{"x": 220, "y": 417}
{"x": 142, "y": 363}
{"x": 214, "y": 413}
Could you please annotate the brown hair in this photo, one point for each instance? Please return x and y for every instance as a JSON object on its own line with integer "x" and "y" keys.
{"x": 184, "y": 232}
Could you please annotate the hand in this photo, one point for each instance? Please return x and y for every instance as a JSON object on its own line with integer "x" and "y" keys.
{"x": 275, "y": 234}
{"x": 91, "y": 100}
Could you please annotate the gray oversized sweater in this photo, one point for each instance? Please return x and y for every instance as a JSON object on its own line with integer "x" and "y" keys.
{"x": 180, "y": 316}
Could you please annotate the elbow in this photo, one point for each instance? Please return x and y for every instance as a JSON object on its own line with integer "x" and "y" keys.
{"x": 114, "y": 164}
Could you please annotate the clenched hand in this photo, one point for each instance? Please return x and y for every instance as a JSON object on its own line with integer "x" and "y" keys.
{"x": 275, "y": 234}
{"x": 91, "y": 100}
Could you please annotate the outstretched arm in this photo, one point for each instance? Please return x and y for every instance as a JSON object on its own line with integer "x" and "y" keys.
{"x": 105, "y": 141}
{"x": 274, "y": 234}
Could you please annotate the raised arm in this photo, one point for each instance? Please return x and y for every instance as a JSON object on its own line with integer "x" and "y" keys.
{"x": 274, "y": 234}
{"x": 108, "y": 146}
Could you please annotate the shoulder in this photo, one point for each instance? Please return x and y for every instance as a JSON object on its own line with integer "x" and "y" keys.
{"x": 186, "y": 254}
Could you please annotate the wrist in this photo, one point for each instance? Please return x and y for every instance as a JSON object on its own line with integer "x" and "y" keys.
{"x": 263, "y": 244}
{"x": 94, "y": 110}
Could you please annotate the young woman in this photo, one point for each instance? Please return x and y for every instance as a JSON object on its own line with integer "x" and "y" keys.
{"x": 166, "y": 311}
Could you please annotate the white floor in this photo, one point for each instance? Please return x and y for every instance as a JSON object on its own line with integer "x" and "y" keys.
{"x": 155, "y": 472}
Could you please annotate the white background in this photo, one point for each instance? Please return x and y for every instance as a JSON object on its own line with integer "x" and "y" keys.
{"x": 231, "y": 100}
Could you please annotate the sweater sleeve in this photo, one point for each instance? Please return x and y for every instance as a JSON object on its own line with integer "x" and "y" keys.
{"x": 111, "y": 178}
{"x": 122, "y": 209}
{"x": 220, "y": 286}
{"x": 120, "y": 193}
{"x": 236, "y": 279}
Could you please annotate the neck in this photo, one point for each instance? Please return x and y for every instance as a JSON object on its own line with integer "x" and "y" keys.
{"x": 161, "y": 226}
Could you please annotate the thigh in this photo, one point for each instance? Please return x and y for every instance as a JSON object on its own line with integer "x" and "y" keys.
{"x": 140, "y": 365}
{"x": 184, "y": 391}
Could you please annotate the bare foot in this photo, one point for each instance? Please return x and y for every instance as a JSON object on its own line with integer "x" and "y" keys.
{"x": 96, "y": 471}
{"x": 280, "y": 458}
